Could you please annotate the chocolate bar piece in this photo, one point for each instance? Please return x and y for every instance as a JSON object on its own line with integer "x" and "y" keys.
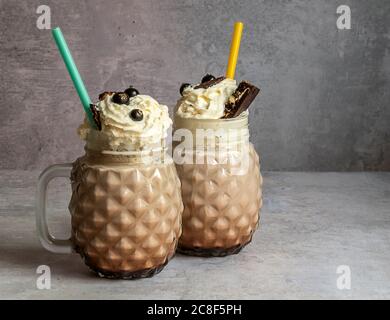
{"x": 240, "y": 100}
{"x": 96, "y": 116}
{"x": 210, "y": 83}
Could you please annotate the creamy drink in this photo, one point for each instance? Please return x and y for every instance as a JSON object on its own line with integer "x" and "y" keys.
{"x": 126, "y": 205}
{"x": 218, "y": 168}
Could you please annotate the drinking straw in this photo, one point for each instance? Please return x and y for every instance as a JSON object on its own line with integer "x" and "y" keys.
{"x": 74, "y": 73}
{"x": 234, "y": 49}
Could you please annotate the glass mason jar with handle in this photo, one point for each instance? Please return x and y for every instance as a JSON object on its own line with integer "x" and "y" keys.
{"x": 125, "y": 209}
{"x": 221, "y": 184}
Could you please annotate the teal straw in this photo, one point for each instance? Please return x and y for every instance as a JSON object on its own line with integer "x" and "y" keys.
{"x": 74, "y": 73}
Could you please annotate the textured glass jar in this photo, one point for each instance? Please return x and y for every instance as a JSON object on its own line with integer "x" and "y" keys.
{"x": 125, "y": 210}
{"x": 221, "y": 184}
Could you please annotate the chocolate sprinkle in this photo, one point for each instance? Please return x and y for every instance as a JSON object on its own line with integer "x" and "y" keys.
{"x": 210, "y": 83}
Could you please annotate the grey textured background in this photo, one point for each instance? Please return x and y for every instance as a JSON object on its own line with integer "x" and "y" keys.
{"x": 325, "y": 100}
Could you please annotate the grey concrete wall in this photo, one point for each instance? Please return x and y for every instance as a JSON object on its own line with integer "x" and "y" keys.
{"x": 325, "y": 92}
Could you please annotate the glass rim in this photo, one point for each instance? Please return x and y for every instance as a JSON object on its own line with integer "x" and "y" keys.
{"x": 242, "y": 116}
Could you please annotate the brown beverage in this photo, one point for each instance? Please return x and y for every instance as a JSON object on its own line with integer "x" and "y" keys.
{"x": 221, "y": 184}
{"x": 126, "y": 204}
{"x": 126, "y": 212}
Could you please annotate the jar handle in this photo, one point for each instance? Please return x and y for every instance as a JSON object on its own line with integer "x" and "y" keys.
{"x": 48, "y": 241}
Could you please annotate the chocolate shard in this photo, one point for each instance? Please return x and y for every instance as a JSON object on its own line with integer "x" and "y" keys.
{"x": 103, "y": 95}
{"x": 240, "y": 100}
{"x": 210, "y": 83}
{"x": 96, "y": 115}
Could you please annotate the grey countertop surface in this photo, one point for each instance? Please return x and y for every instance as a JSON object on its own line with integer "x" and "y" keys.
{"x": 311, "y": 223}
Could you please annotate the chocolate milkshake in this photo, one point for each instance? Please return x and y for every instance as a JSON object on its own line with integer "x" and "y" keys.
{"x": 126, "y": 205}
{"x": 218, "y": 167}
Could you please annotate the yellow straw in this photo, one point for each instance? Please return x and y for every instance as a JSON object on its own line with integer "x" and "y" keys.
{"x": 234, "y": 49}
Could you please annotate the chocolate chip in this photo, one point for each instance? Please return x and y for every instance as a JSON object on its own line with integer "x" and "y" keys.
{"x": 120, "y": 98}
{"x": 183, "y": 87}
{"x": 131, "y": 92}
{"x": 136, "y": 115}
{"x": 207, "y": 77}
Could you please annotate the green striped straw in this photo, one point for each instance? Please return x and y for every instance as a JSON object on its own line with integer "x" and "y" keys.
{"x": 74, "y": 73}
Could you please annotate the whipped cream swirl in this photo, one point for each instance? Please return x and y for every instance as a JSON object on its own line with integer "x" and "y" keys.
{"x": 121, "y": 132}
{"x": 206, "y": 103}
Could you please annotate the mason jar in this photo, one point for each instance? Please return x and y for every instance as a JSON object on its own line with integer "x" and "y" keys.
{"x": 221, "y": 182}
{"x": 125, "y": 209}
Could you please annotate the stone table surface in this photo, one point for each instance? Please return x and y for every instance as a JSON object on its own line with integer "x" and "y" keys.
{"x": 311, "y": 223}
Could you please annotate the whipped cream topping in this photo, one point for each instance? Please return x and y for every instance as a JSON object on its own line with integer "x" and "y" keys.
{"x": 206, "y": 103}
{"x": 122, "y": 132}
